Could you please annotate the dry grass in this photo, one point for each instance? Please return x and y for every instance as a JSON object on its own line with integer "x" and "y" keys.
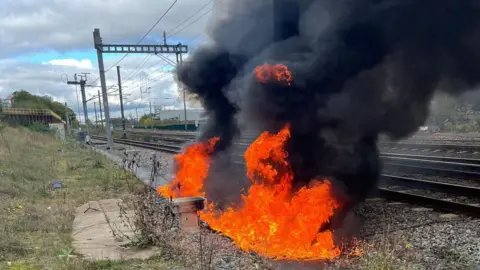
{"x": 36, "y": 221}
{"x": 205, "y": 250}
{"x": 154, "y": 222}
{"x": 387, "y": 252}
{"x": 393, "y": 251}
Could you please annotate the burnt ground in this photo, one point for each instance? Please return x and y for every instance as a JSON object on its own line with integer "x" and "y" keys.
{"x": 390, "y": 235}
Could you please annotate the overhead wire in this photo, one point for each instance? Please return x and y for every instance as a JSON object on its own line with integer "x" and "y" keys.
{"x": 164, "y": 58}
{"x": 171, "y": 61}
{"x": 188, "y": 25}
{"x": 146, "y": 34}
{"x": 152, "y": 81}
{"x": 165, "y": 74}
{"x": 156, "y": 23}
{"x": 191, "y": 16}
{"x": 134, "y": 72}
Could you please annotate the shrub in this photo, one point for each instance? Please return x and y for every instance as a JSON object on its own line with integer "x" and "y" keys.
{"x": 40, "y": 127}
{"x": 147, "y": 137}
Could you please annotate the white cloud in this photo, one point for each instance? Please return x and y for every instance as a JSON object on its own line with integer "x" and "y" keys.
{"x": 64, "y": 25}
{"x": 85, "y": 63}
{"x": 29, "y": 27}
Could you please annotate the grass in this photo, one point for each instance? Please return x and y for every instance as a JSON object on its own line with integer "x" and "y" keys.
{"x": 386, "y": 252}
{"x": 36, "y": 221}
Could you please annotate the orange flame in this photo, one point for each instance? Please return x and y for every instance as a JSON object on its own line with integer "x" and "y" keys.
{"x": 192, "y": 169}
{"x": 278, "y": 73}
{"x": 274, "y": 220}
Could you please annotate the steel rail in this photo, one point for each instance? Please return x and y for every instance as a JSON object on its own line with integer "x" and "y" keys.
{"x": 449, "y": 188}
{"x": 437, "y": 204}
{"x": 424, "y": 146}
{"x": 152, "y": 146}
{"x": 412, "y": 163}
{"x": 468, "y": 209}
{"x": 435, "y": 158}
{"x": 419, "y": 165}
{"x": 420, "y": 140}
{"x": 192, "y": 135}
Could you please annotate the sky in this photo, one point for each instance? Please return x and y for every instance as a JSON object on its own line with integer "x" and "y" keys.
{"x": 44, "y": 43}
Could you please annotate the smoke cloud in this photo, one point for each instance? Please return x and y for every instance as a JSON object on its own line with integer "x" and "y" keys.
{"x": 360, "y": 68}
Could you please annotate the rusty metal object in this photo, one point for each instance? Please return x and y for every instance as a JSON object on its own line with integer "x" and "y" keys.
{"x": 186, "y": 209}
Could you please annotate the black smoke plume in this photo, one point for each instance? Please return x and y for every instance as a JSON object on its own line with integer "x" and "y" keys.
{"x": 360, "y": 68}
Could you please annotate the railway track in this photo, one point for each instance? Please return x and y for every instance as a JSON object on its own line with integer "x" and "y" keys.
{"x": 445, "y": 166}
{"x": 169, "y": 148}
{"x": 183, "y": 135}
{"x": 164, "y": 137}
{"x": 399, "y": 188}
{"x": 431, "y": 146}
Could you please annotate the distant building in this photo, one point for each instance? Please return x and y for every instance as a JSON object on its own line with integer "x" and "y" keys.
{"x": 179, "y": 115}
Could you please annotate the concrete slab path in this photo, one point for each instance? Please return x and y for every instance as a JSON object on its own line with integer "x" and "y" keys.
{"x": 93, "y": 237}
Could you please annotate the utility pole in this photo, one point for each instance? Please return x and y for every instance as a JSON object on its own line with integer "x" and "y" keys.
{"x": 97, "y": 41}
{"x": 78, "y": 102}
{"x": 100, "y": 107}
{"x": 136, "y": 111}
{"x": 101, "y": 48}
{"x": 84, "y": 99}
{"x": 121, "y": 101}
{"x": 159, "y": 113}
{"x": 179, "y": 63}
{"x": 95, "y": 109}
{"x": 151, "y": 115}
{"x": 67, "y": 119}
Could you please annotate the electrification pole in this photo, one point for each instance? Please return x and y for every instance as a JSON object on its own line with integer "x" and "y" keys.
{"x": 100, "y": 107}
{"x": 121, "y": 101}
{"x": 151, "y": 115}
{"x": 84, "y": 100}
{"x": 179, "y": 63}
{"x": 95, "y": 109}
{"x": 97, "y": 40}
{"x": 78, "y": 101}
{"x": 136, "y": 112}
{"x": 67, "y": 119}
{"x": 101, "y": 48}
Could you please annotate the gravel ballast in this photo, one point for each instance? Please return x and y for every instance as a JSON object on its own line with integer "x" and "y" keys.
{"x": 420, "y": 238}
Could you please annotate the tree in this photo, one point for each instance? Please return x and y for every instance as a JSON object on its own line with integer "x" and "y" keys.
{"x": 146, "y": 119}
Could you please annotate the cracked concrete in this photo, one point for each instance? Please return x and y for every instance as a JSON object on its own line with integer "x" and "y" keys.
{"x": 93, "y": 237}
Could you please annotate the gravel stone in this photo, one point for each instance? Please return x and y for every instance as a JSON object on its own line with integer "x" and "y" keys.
{"x": 144, "y": 160}
{"x": 428, "y": 240}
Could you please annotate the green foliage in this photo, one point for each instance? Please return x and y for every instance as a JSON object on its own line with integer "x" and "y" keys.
{"x": 40, "y": 127}
{"x": 65, "y": 254}
{"x": 36, "y": 221}
{"x": 146, "y": 120}
{"x": 23, "y": 99}
{"x": 147, "y": 137}
{"x": 3, "y": 125}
